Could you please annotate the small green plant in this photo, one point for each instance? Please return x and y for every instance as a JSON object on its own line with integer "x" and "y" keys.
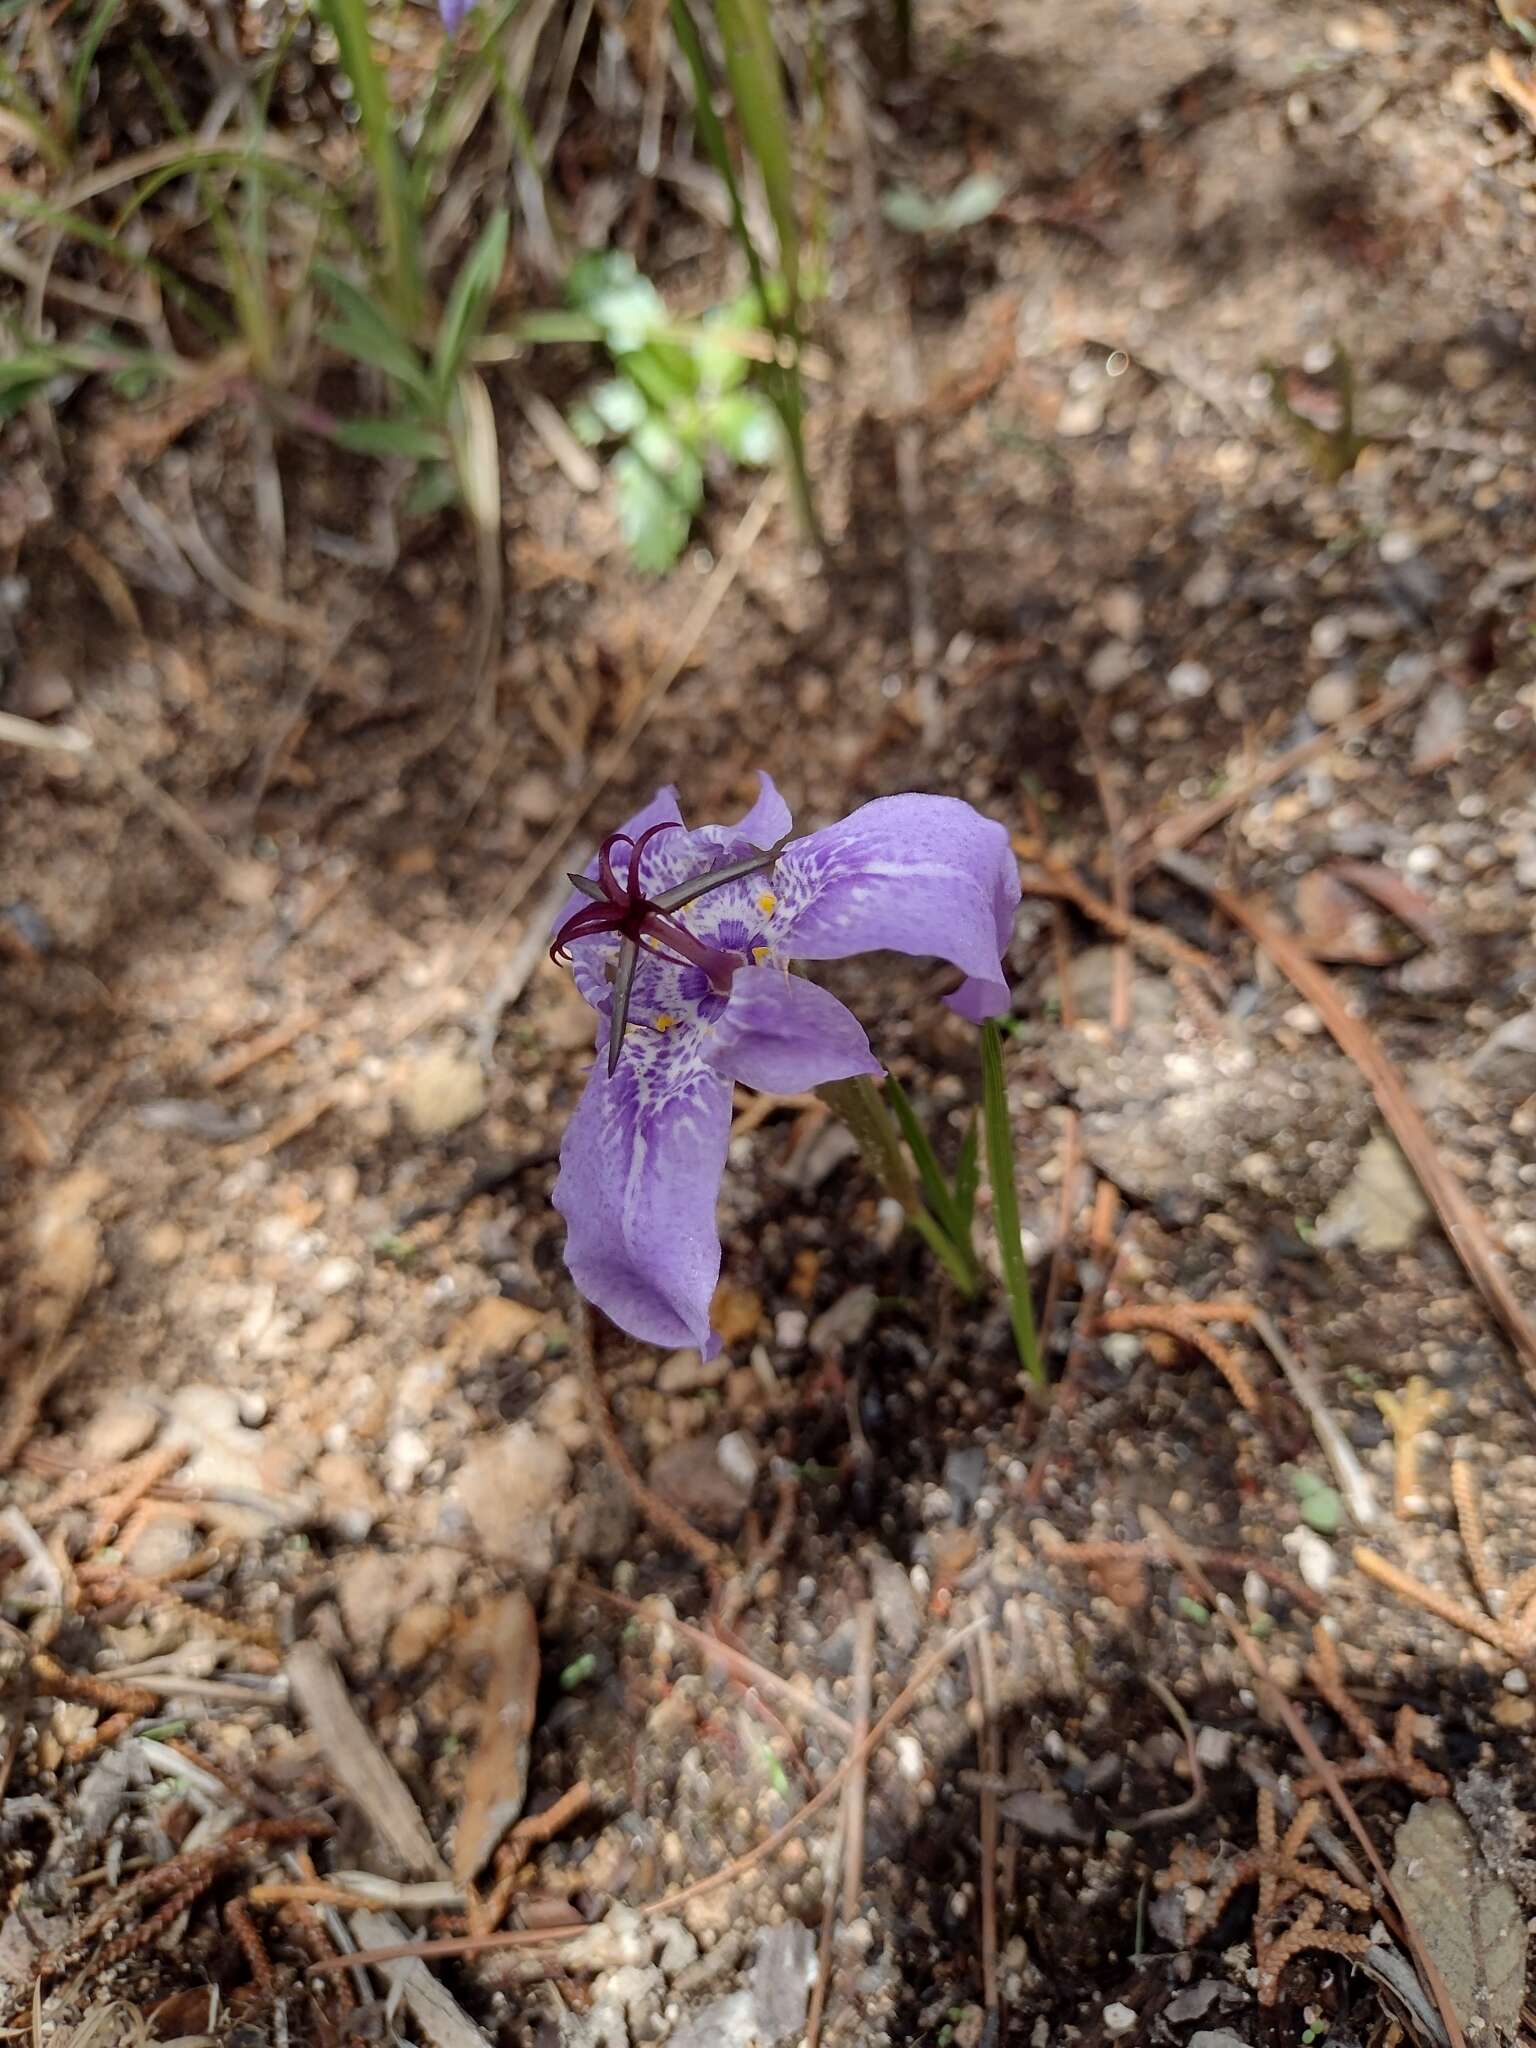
{"x": 972, "y": 201}
{"x": 427, "y": 420}
{"x": 680, "y": 396}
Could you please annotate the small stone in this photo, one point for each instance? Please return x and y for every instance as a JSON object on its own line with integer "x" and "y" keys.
{"x": 735, "y": 1314}
{"x": 846, "y": 1323}
{"x": 738, "y": 1458}
{"x": 419, "y": 1631}
{"x": 1303, "y": 1018}
{"x": 1397, "y": 545}
{"x": 510, "y": 1487}
{"x": 118, "y": 1431}
{"x": 406, "y": 1455}
{"x": 1188, "y": 680}
{"x": 896, "y": 1610}
{"x": 782, "y": 1976}
{"x": 1111, "y": 664}
{"x": 1082, "y": 413}
{"x": 1509, "y": 1712}
{"x": 1467, "y": 367}
{"x": 161, "y": 1544}
{"x": 1213, "y": 1748}
{"x": 537, "y": 797}
{"x": 368, "y": 1594}
{"x": 1517, "y": 1682}
{"x": 1210, "y": 585}
{"x": 493, "y": 1327}
{"x": 442, "y": 1090}
{"x": 1382, "y": 1206}
{"x": 334, "y": 1276}
{"x": 1122, "y": 612}
{"x": 1329, "y": 636}
{"x": 685, "y": 1372}
{"x": 163, "y": 1243}
{"x": 791, "y": 1324}
{"x": 1314, "y": 1558}
{"x": 691, "y": 1476}
{"x": 1332, "y": 697}
{"x": 39, "y": 690}
{"x": 1118, "y": 2019}
{"x": 251, "y": 1407}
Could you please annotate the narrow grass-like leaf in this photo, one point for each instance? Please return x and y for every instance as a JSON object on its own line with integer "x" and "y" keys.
{"x": 464, "y": 314}
{"x": 1005, "y": 1202}
{"x": 85, "y": 56}
{"x": 757, "y": 87}
{"x": 967, "y": 1180}
{"x": 366, "y": 333}
{"x": 862, "y": 1108}
{"x": 399, "y": 220}
{"x": 937, "y": 1192}
{"x": 402, "y": 436}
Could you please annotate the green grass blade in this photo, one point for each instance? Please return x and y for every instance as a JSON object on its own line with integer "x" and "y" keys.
{"x": 1005, "y": 1202}
{"x": 757, "y": 88}
{"x": 967, "y": 1180}
{"x": 936, "y": 1189}
{"x": 365, "y": 332}
{"x": 399, "y": 221}
{"x": 464, "y": 314}
{"x": 405, "y": 437}
{"x": 85, "y": 56}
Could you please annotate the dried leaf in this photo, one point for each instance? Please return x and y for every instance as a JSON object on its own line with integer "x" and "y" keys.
{"x": 505, "y": 1642}
{"x": 1382, "y": 1207}
{"x": 1468, "y": 1919}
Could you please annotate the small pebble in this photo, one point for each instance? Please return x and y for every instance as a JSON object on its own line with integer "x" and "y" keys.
{"x": 1118, "y": 2019}
{"x": 1189, "y": 679}
{"x": 1328, "y": 636}
{"x": 252, "y": 1409}
{"x": 1121, "y": 612}
{"x": 1517, "y": 1683}
{"x": 336, "y": 1274}
{"x": 1332, "y": 697}
{"x": 1110, "y": 665}
{"x": 789, "y": 1328}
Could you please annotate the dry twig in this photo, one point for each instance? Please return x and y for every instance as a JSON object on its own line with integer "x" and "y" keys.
{"x": 1377, "y": 1759}
{"x": 1510, "y": 1623}
{"x": 1459, "y": 1218}
{"x": 1172, "y": 1318}
{"x": 661, "y": 1515}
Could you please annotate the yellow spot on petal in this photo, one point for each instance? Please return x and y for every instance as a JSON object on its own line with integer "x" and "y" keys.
{"x": 761, "y": 953}
{"x": 767, "y": 903}
{"x": 665, "y": 1023}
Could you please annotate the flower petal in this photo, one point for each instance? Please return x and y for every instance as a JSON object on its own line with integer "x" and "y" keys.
{"x": 768, "y": 820}
{"x": 640, "y": 1172}
{"x": 781, "y": 1033}
{"x": 906, "y": 874}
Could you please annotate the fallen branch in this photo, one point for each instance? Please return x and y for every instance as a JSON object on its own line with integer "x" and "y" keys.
{"x": 1459, "y": 1218}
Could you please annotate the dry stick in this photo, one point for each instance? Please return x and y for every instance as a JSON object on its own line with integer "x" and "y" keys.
{"x": 1050, "y": 879}
{"x": 1168, "y": 1318}
{"x": 1301, "y": 1735}
{"x": 989, "y": 1751}
{"x": 1458, "y": 1215}
{"x": 864, "y": 1624}
{"x": 663, "y": 1518}
{"x": 609, "y": 761}
{"x": 1160, "y": 1816}
{"x": 29, "y": 1390}
{"x": 542, "y": 1937}
{"x": 1183, "y": 830}
{"x": 909, "y": 428}
{"x": 741, "y": 1667}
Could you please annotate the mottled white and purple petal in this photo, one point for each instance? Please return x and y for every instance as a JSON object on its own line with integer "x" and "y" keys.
{"x": 906, "y": 874}
{"x": 782, "y": 1034}
{"x": 639, "y": 1177}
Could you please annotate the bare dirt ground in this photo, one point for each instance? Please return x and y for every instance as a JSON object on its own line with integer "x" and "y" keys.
{"x": 284, "y": 1074}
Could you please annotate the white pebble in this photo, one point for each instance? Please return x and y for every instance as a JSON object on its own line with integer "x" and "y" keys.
{"x": 1516, "y": 1682}
{"x": 1189, "y": 679}
{"x": 335, "y": 1275}
{"x": 1118, "y": 2019}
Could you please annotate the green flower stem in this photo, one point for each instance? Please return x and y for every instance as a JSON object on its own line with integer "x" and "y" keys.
{"x": 998, "y": 1130}
{"x": 862, "y": 1108}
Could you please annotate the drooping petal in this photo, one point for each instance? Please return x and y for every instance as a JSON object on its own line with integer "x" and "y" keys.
{"x": 640, "y": 1172}
{"x": 768, "y": 820}
{"x": 782, "y": 1033}
{"x": 906, "y": 874}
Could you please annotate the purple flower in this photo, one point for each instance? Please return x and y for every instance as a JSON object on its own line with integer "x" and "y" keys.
{"x": 453, "y": 13}
{"x": 682, "y": 941}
